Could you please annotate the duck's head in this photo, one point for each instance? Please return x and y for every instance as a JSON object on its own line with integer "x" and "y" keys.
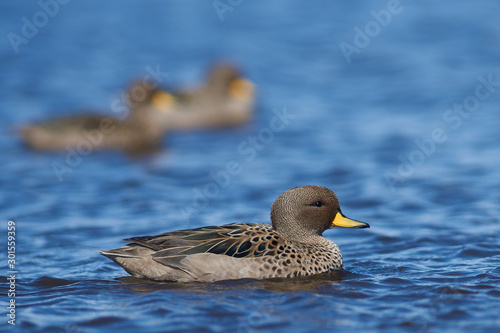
{"x": 148, "y": 104}
{"x": 306, "y": 211}
{"x": 143, "y": 94}
{"x": 225, "y": 80}
{"x": 140, "y": 94}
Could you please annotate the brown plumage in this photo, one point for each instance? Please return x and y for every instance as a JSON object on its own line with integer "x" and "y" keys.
{"x": 142, "y": 131}
{"x": 225, "y": 99}
{"x": 292, "y": 246}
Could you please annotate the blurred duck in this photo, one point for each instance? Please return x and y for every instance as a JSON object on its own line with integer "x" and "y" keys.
{"x": 141, "y": 132}
{"x": 225, "y": 99}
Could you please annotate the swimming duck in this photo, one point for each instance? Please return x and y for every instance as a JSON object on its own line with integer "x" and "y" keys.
{"x": 225, "y": 99}
{"x": 141, "y": 131}
{"x": 292, "y": 246}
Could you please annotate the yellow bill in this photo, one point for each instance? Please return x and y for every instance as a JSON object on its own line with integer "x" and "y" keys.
{"x": 341, "y": 221}
{"x": 162, "y": 101}
{"x": 241, "y": 89}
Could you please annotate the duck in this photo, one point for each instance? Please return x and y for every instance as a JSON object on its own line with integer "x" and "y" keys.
{"x": 292, "y": 246}
{"x": 226, "y": 99}
{"x": 140, "y": 132}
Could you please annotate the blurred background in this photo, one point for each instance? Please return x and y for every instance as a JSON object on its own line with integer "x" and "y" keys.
{"x": 392, "y": 104}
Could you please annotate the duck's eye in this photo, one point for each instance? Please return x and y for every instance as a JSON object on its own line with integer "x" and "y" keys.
{"x": 318, "y": 204}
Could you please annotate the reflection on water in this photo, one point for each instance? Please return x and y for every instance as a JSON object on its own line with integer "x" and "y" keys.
{"x": 310, "y": 283}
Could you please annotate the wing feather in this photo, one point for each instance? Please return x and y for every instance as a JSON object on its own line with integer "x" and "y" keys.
{"x": 239, "y": 240}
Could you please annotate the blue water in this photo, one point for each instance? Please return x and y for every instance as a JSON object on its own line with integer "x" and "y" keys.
{"x": 380, "y": 130}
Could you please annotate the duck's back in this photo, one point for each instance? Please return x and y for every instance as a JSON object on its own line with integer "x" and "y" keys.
{"x": 232, "y": 251}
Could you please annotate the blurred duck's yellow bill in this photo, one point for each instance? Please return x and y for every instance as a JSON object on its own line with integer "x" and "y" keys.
{"x": 241, "y": 89}
{"x": 162, "y": 101}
